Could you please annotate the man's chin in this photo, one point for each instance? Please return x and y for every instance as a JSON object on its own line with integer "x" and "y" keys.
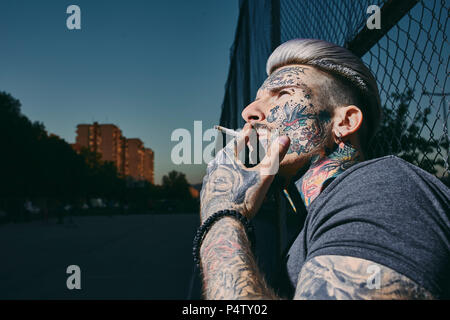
{"x": 291, "y": 165}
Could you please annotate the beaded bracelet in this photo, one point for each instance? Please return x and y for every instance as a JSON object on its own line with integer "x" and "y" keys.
{"x": 204, "y": 228}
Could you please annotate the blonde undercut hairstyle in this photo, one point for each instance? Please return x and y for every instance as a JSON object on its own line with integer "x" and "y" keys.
{"x": 352, "y": 82}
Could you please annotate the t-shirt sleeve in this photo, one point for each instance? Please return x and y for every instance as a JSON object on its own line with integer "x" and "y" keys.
{"x": 391, "y": 213}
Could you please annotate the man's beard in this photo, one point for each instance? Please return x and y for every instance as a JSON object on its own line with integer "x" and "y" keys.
{"x": 295, "y": 166}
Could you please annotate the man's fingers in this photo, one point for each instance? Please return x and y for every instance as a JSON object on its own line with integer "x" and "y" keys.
{"x": 243, "y": 137}
{"x": 270, "y": 164}
{"x": 269, "y": 167}
{"x": 284, "y": 143}
{"x": 230, "y": 153}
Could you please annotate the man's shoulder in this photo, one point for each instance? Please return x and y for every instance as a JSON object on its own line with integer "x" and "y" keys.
{"x": 385, "y": 210}
{"x": 387, "y": 163}
{"x": 391, "y": 170}
{"x": 386, "y": 180}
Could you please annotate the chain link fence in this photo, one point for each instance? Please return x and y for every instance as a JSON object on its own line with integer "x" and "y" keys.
{"x": 409, "y": 57}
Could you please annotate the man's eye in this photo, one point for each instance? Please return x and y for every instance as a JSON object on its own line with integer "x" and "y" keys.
{"x": 283, "y": 92}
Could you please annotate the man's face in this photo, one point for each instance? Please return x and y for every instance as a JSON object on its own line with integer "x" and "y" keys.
{"x": 287, "y": 101}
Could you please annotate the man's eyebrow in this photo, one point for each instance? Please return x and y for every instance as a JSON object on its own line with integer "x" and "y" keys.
{"x": 279, "y": 88}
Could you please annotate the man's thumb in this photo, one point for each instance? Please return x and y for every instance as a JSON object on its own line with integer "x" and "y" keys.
{"x": 278, "y": 150}
{"x": 284, "y": 143}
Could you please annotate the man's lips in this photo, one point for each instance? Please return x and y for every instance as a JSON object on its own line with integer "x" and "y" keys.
{"x": 261, "y": 129}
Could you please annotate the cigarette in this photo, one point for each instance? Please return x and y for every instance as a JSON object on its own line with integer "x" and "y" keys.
{"x": 227, "y": 131}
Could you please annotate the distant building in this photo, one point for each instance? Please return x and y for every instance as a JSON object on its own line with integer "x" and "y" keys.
{"x": 88, "y": 136}
{"x": 124, "y": 169}
{"x": 135, "y": 153}
{"x": 148, "y": 165}
{"x": 130, "y": 156}
{"x": 111, "y": 144}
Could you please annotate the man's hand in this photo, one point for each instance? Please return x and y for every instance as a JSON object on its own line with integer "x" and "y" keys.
{"x": 228, "y": 184}
{"x": 228, "y": 265}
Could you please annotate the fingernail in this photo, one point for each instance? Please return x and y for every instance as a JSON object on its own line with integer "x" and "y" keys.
{"x": 283, "y": 140}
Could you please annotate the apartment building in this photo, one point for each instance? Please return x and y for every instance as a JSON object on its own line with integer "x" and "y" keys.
{"x": 148, "y": 165}
{"x": 130, "y": 156}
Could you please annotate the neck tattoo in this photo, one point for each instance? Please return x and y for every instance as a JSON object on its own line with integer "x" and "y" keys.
{"x": 324, "y": 169}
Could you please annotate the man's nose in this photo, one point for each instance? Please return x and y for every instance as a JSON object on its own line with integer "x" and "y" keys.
{"x": 253, "y": 112}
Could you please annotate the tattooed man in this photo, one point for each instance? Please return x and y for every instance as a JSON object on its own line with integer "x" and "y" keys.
{"x": 375, "y": 229}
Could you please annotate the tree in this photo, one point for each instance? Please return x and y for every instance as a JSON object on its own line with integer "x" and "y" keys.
{"x": 175, "y": 185}
{"x": 35, "y": 165}
{"x": 398, "y": 136}
{"x": 176, "y": 195}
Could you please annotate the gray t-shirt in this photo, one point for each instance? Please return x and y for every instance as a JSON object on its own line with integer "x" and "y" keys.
{"x": 385, "y": 210}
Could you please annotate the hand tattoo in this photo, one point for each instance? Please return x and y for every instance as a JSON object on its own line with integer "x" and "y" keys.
{"x": 228, "y": 265}
{"x": 226, "y": 184}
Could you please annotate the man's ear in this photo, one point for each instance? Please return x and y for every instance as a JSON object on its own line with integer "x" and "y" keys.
{"x": 347, "y": 120}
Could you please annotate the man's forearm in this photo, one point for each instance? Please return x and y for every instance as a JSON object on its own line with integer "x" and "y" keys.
{"x": 228, "y": 265}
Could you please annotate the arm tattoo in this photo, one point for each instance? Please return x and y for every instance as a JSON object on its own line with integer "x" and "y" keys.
{"x": 228, "y": 266}
{"x": 342, "y": 277}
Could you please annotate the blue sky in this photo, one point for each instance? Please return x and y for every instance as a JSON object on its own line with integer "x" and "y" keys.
{"x": 148, "y": 66}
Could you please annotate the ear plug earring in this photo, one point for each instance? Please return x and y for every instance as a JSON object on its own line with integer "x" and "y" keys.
{"x": 339, "y": 138}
